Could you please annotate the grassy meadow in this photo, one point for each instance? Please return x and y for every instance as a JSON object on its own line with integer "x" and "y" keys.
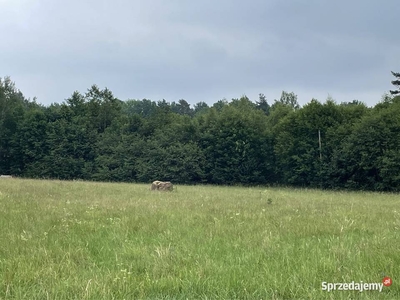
{"x": 85, "y": 240}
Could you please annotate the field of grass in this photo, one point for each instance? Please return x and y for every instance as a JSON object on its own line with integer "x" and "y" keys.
{"x": 84, "y": 240}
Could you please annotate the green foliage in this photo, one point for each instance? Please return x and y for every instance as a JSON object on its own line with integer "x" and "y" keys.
{"x": 289, "y": 99}
{"x": 34, "y": 144}
{"x": 396, "y": 83}
{"x": 371, "y": 153}
{"x": 296, "y": 145}
{"x": 220, "y": 104}
{"x": 144, "y": 108}
{"x": 333, "y": 144}
{"x": 200, "y": 108}
{"x": 95, "y": 136}
{"x": 236, "y": 144}
{"x": 102, "y": 107}
{"x": 12, "y": 110}
{"x": 263, "y": 105}
{"x": 180, "y": 163}
{"x": 182, "y": 108}
{"x": 278, "y": 112}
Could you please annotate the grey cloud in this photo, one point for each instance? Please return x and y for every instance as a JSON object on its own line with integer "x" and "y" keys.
{"x": 200, "y": 50}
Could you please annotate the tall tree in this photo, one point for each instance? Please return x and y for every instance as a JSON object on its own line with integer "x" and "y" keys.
{"x": 236, "y": 144}
{"x": 182, "y": 107}
{"x": 220, "y": 104}
{"x": 262, "y": 104}
{"x": 103, "y": 107}
{"x": 396, "y": 83}
{"x": 12, "y": 110}
{"x": 289, "y": 99}
{"x": 200, "y": 108}
{"x": 34, "y": 143}
{"x": 145, "y": 108}
{"x": 369, "y": 158}
{"x": 297, "y": 142}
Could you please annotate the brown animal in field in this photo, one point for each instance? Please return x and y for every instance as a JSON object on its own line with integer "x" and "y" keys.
{"x": 161, "y": 186}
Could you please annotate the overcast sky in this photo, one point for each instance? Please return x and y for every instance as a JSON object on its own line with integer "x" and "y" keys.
{"x": 201, "y": 50}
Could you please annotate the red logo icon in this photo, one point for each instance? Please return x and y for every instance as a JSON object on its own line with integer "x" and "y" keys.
{"x": 387, "y": 281}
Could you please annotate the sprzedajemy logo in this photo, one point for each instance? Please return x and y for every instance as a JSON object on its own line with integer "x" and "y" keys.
{"x": 356, "y": 286}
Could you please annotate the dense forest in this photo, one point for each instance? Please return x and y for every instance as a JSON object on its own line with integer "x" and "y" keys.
{"x": 95, "y": 136}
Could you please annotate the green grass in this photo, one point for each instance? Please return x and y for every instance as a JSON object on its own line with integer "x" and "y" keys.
{"x": 83, "y": 240}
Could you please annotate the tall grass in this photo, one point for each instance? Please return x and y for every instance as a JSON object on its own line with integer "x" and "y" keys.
{"x": 81, "y": 240}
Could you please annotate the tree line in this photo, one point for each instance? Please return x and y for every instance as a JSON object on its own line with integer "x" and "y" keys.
{"x": 95, "y": 136}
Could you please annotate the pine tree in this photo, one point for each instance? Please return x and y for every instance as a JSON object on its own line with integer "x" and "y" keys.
{"x": 396, "y": 83}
